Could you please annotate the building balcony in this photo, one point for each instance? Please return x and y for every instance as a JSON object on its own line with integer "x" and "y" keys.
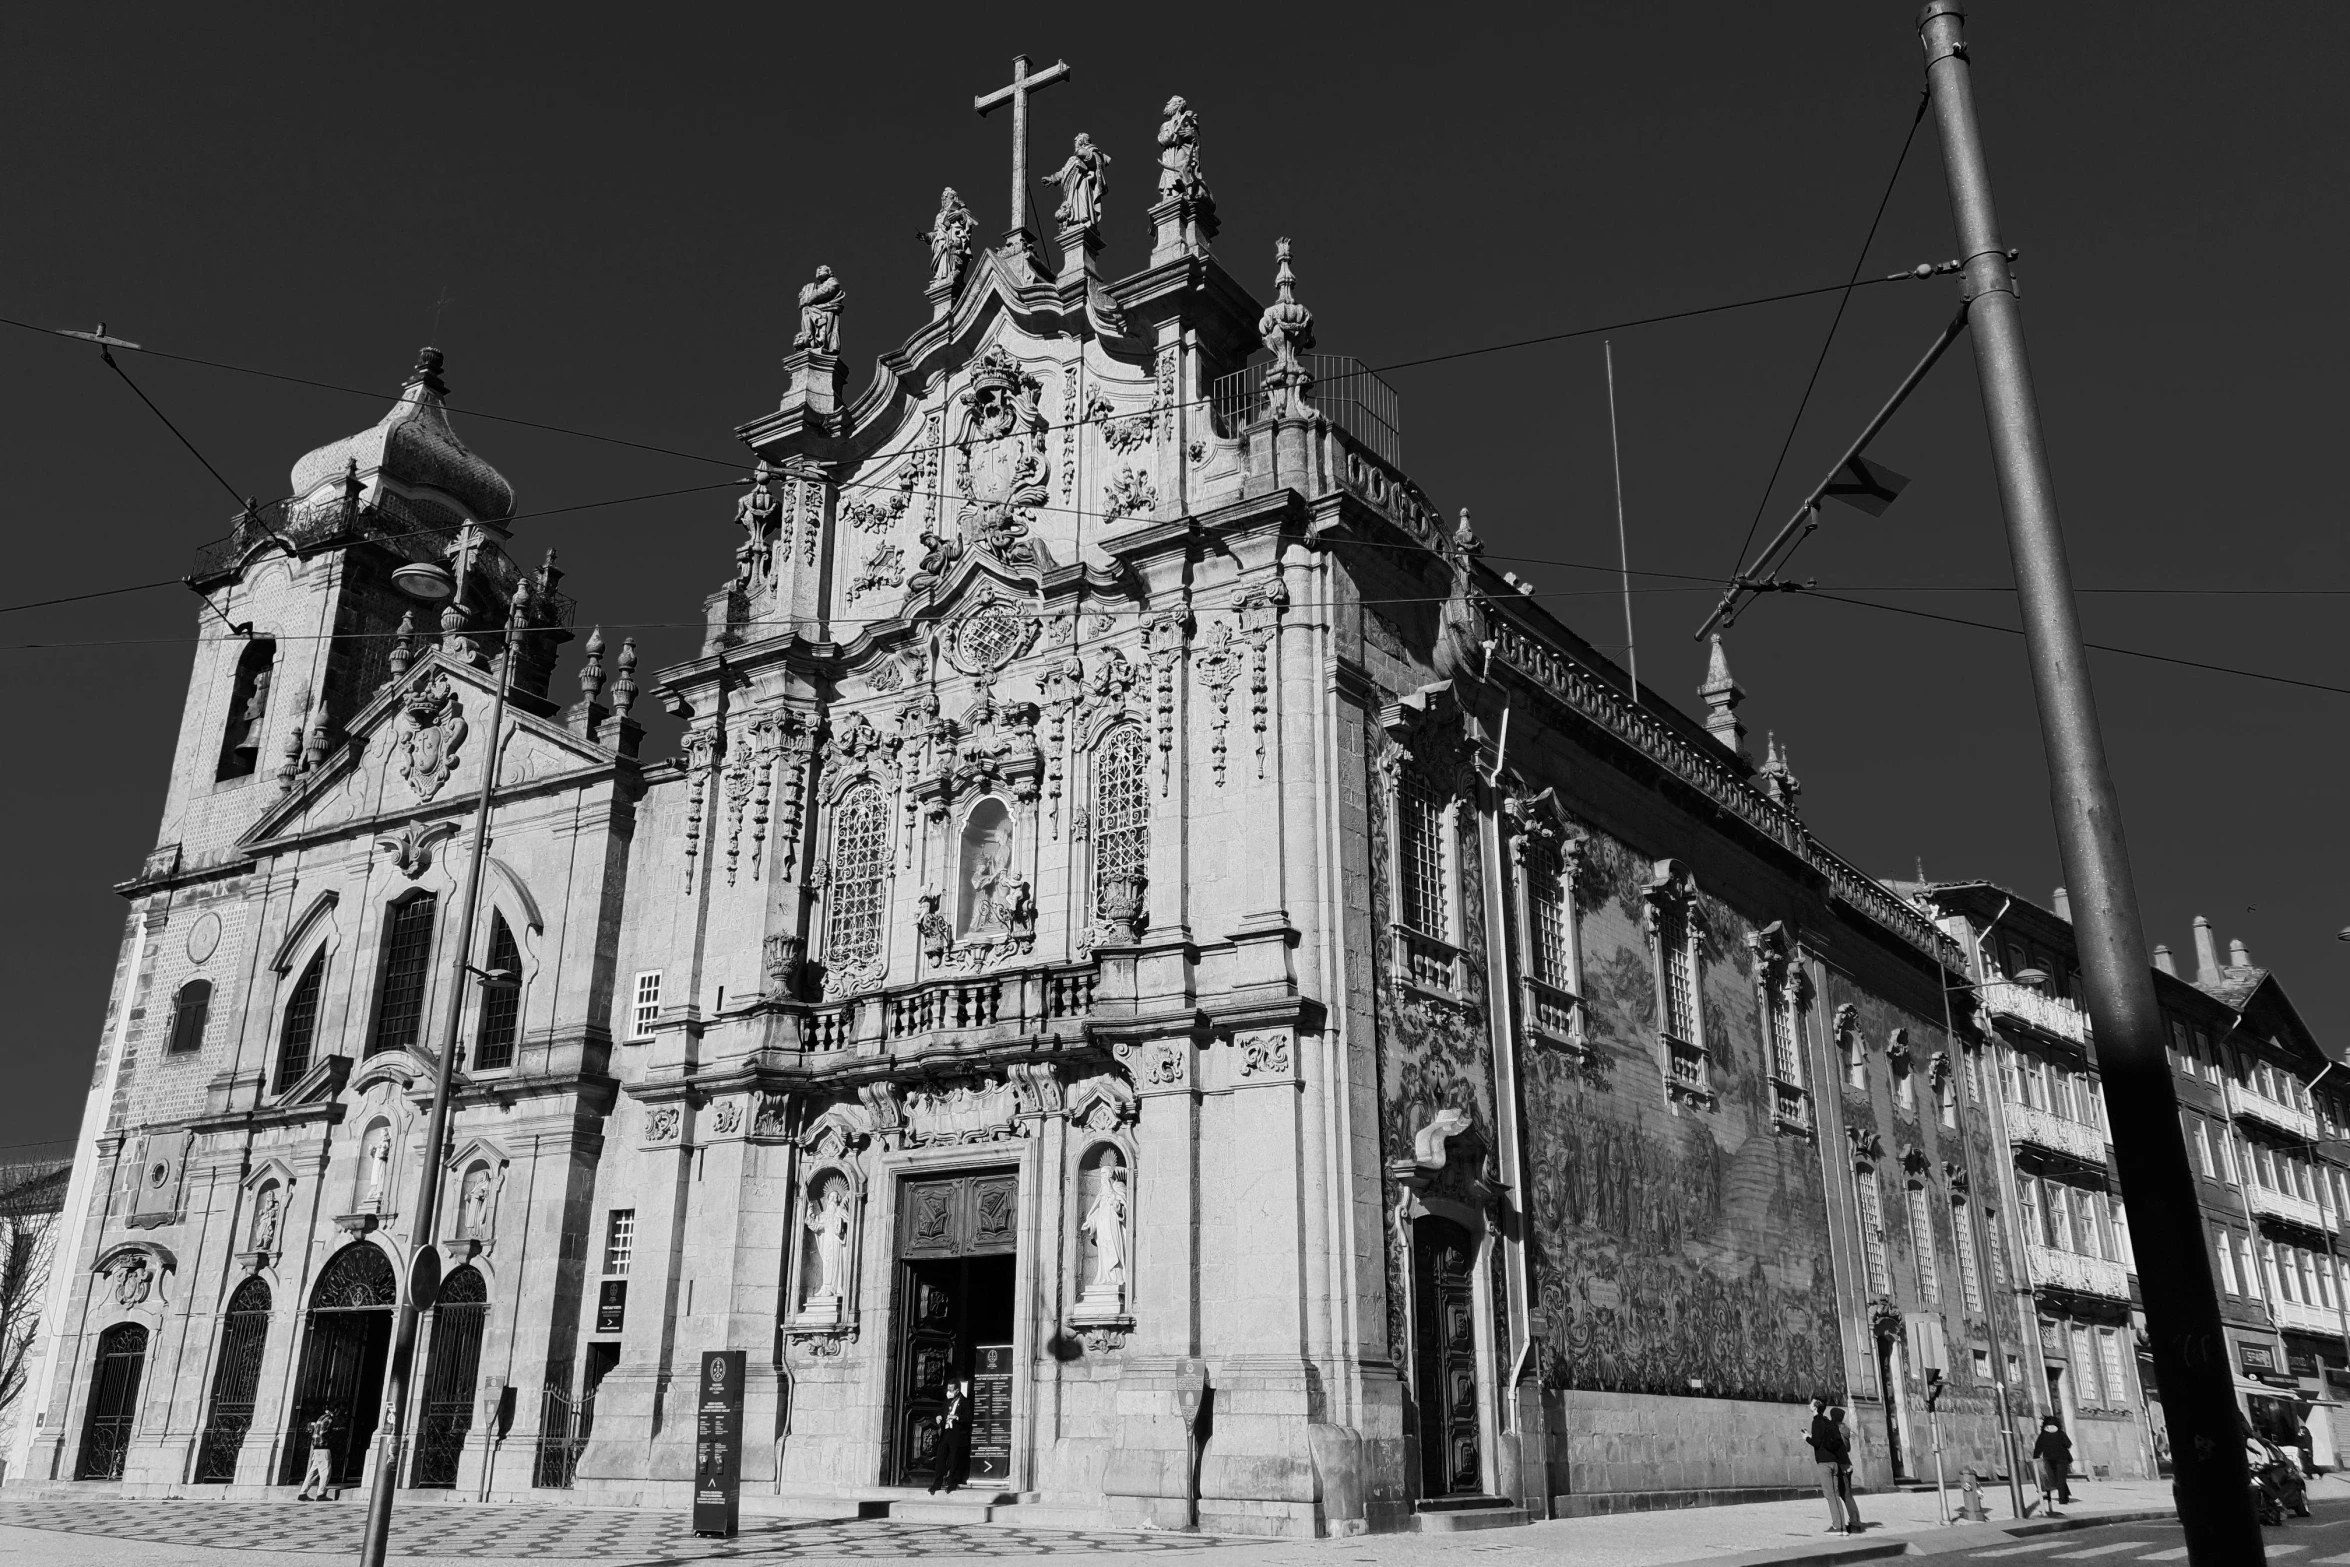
{"x": 2286, "y": 1206}
{"x": 2297, "y": 1317}
{"x": 2038, "y": 1128}
{"x": 2036, "y": 1009}
{"x": 2065, "y": 1270}
{"x": 2242, "y": 1101}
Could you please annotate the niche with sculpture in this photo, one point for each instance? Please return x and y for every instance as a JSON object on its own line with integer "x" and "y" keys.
{"x": 995, "y": 903}
{"x": 827, "y": 1223}
{"x": 1105, "y": 1229}
{"x": 372, "y": 1183}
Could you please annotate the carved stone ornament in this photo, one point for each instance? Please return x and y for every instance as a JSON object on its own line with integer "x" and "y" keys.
{"x": 1130, "y": 494}
{"x": 972, "y": 1111}
{"x": 990, "y": 634}
{"x": 663, "y": 1123}
{"x": 1102, "y": 1337}
{"x": 1270, "y": 1053}
{"x": 1001, "y": 472}
{"x": 727, "y": 1118}
{"x": 430, "y": 730}
{"x": 134, "y": 1279}
{"x": 786, "y": 957}
{"x": 773, "y": 1118}
{"x": 411, "y": 847}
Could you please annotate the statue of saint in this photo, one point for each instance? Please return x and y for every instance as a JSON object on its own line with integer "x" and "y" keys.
{"x": 829, "y": 1223}
{"x": 265, "y": 1219}
{"x": 1081, "y": 180}
{"x": 950, "y": 238}
{"x": 820, "y": 306}
{"x": 1105, "y": 1224}
{"x": 377, "y": 1159}
{"x": 987, "y": 874}
{"x": 1179, "y": 153}
{"x": 473, "y": 1222}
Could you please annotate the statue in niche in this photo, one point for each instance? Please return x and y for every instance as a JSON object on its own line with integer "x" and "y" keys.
{"x": 1179, "y": 153}
{"x": 820, "y": 306}
{"x": 1105, "y": 1225}
{"x": 473, "y": 1206}
{"x": 265, "y": 1218}
{"x": 828, "y": 1222}
{"x": 950, "y": 239}
{"x": 375, "y": 1159}
{"x": 987, "y": 862}
{"x": 1081, "y": 180}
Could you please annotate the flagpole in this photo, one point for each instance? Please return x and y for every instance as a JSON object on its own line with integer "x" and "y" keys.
{"x": 1623, "y": 548}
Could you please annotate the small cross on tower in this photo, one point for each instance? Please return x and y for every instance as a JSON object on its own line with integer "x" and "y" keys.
{"x": 1017, "y": 96}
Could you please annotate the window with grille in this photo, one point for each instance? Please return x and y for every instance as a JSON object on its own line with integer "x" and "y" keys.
{"x": 299, "y": 1032}
{"x": 399, "y": 1009}
{"x": 2085, "y": 1367}
{"x": 1921, "y": 1230}
{"x": 1419, "y": 825}
{"x": 1546, "y": 898}
{"x": 644, "y": 1006}
{"x": 501, "y": 1005}
{"x": 191, "y": 1009}
{"x": 859, "y": 891}
{"x": 1970, "y": 1272}
{"x": 1786, "y": 1053}
{"x": 1872, "y": 1234}
{"x": 619, "y": 1240}
{"x": 1672, "y": 939}
{"x": 1121, "y": 819}
{"x": 2109, "y": 1359}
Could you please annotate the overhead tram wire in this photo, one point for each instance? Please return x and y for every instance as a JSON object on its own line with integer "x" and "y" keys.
{"x": 1762, "y": 502}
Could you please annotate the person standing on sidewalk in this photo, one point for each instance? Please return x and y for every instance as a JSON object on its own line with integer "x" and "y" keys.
{"x": 954, "y": 1438}
{"x": 322, "y": 1460}
{"x": 2052, "y": 1456}
{"x": 1828, "y": 1452}
{"x": 1844, "y": 1469}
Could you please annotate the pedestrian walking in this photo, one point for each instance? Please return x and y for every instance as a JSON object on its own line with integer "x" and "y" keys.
{"x": 954, "y": 1438}
{"x": 321, "y": 1472}
{"x": 2052, "y": 1457}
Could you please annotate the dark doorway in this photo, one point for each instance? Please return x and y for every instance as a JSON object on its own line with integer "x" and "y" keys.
{"x": 244, "y": 1333}
{"x": 458, "y": 1317}
{"x": 955, "y": 1294}
{"x": 114, "y": 1402}
{"x": 343, "y": 1352}
{"x": 1444, "y": 1313}
{"x": 1889, "y": 1378}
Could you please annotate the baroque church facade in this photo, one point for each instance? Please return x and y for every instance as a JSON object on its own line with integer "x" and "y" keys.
{"x": 1141, "y": 918}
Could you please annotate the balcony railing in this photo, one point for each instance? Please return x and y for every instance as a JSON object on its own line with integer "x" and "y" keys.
{"x": 1349, "y": 395}
{"x": 2259, "y": 1107}
{"x": 2038, "y": 1009}
{"x": 2066, "y": 1270}
{"x": 2306, "y": 1318}
{"x": 2056, "y": 1133}
{"x": 2286, "y": 1206}
{"x": 1027, "y": 1001}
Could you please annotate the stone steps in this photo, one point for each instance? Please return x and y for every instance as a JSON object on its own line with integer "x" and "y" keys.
{"x": 1459, "y": 1514}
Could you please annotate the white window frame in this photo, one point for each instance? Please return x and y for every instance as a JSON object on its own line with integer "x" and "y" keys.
{"x": 644, "y": 1003}
{"x": 619, "y": 1241}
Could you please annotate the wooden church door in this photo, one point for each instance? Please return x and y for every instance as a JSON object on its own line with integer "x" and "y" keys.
{"x": 1445, "y": 1360}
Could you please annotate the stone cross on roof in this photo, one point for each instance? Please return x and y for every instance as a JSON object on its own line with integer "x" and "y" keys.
{"x": 1017, "y": 96}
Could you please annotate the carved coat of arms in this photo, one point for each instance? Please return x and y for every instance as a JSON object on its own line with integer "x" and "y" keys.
{"x": 431, "y": 727}
{"x": 1002, "y": 472}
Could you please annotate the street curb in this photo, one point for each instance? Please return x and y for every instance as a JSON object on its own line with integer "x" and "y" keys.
{"x": 1938, "y": 1543}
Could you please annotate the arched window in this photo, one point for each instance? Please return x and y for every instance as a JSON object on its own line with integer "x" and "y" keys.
{"x": 1121, "y": 824}
{"x": 191, "y": 1009}
{"x": 501, "y": 1005}
{"x": 300, "y": 1029}
{"x": 248, "y": 705}
{"x": 859, "y": 893}
{"x": 399, "y": 1009}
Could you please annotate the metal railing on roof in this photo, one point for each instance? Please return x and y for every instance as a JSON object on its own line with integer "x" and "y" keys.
{"x": 1344, "y": 391}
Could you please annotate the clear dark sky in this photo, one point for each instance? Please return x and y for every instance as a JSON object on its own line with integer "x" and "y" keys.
{"x": 621, "y": 203}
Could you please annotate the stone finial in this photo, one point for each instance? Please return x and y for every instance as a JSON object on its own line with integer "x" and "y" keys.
{"x": 1722, "y": 696}
{"x": 427, "y": 373}
{"x": 549, "y": 572}
{"x": 2206, "y": 953}
{"x": 2238, "y": 956}
{"x": 591, "y": 673}
{"x": 404, "y": 645}
{"x": 1778, "y": 779}
{"x": 1464, "y": 537}
{"x": 2163, "y": 961}
{"x": 624, "y": 688}
{"x": 1287, "y": 329}
{"x": 820, "y": 307}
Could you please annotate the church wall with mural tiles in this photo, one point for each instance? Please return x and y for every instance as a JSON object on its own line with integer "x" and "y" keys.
{"x": 1142, "y": 920}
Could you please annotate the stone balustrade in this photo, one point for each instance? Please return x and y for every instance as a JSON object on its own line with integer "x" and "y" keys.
{"x": 2037, "y": 1009}
{"x": 2058, "y": 1134}
{"x": 2066, "y": 1270}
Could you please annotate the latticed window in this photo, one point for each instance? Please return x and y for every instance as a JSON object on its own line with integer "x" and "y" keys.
{"x": 1921, "y": 1230}
{"x": 1786, "y": 1053}
{"x": 299, "y": 1033}
{"x": 1672, "y": 937}
{"x": 1121, "y": 819}
{"x": 2109, "y": 1357}
{"x": 191, "y": 1009}
{"x": 1419, "y": 826}
{"x": 619, "y": 1240}
{"x": 399, "y": 1011}
{"x": 1872, "y": 1233}
{"x": 501, "y": 1005}
{"x": 1546, "y": 897}
{"x": 860, "y": 875}
{"x": 1970, "y": 1271}
{"x": 644, "y": 1005}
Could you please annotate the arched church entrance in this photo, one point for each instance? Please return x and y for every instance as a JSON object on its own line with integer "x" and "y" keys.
{"x": 244, "y": 1332}
{"x": 343, "y": 1352}
{"x": 1444, "y": 1316}
{"x": 114, "y": 1402}
{"x": 458, "y": 1317}
{"x": 958, "y": 1239}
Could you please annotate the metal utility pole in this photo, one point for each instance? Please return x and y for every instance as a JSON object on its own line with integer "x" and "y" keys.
{"x": 424, "y": 1276}
{"x": 2191, "y": 1358}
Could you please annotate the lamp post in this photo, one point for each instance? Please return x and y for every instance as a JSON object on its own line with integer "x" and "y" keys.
{"x": 424, "y": 1274}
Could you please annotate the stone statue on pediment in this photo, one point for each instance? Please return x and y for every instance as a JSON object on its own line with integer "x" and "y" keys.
{"x": 1179, "y": 153}
{"x": 949, "y": 237}
{"x": 820, "y": 307}
{"x": 1081, "y": 179}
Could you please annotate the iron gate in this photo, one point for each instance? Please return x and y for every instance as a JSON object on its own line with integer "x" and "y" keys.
{"x": 564, "y": 1425}
{"x": 244, "y": 1334}
{"x": 114, "y": 1402}
{"x": 343, "y": 1353}
{"x": 457, "y": 1321}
